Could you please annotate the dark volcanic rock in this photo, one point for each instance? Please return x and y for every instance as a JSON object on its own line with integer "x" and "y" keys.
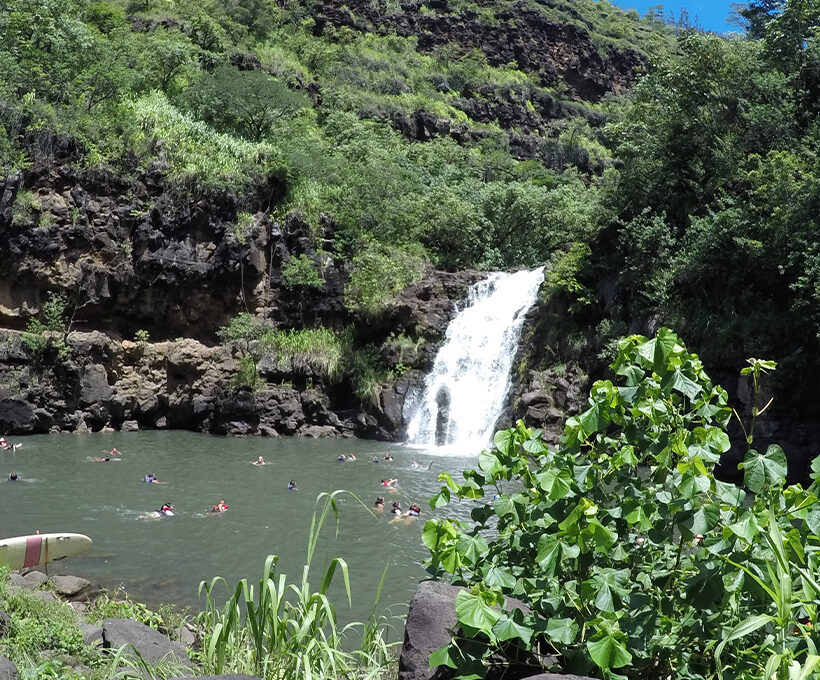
{"x": 16, "y": 415}
{"x": 518, "y": 33}
{"x": 431, "y": 622}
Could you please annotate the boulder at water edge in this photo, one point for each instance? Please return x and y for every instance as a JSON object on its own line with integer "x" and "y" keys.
{"x": 431, "y": 621}
{"x": 150, "y": 644}
{"x": 8, "y": 671}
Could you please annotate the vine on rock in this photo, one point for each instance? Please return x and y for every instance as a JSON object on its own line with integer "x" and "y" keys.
{"x": 636, "y": 562}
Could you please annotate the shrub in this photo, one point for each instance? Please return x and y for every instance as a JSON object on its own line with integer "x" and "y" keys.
{"x": 562, "y": 280}
{"x": 243, "y": 329}
{"x": 629, "y": 551}
{"x": 247, "y": 376}
{"x": 379, "y": 275}
{"x": 52, "y": 331}
{"x": 300, "y": 272}
{"x": 369, "y": 374}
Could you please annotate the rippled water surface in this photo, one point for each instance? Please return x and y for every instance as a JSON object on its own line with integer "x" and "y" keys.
{"x": 163, "y": 560}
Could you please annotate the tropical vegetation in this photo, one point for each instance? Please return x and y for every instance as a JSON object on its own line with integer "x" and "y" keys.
{"x": 633, "y": 558}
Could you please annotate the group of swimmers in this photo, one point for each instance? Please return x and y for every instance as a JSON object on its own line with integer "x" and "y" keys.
{"x": 413, "y": 511}
{"x": 351, "y": 458}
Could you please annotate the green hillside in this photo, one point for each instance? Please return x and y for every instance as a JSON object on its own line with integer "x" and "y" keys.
{"x": 288, "y": 108}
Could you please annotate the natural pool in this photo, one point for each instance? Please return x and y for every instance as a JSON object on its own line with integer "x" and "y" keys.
{"x": 163, "y": 560}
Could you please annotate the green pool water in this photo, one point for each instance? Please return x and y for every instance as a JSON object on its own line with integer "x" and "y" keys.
{"x": 163, "y": 560}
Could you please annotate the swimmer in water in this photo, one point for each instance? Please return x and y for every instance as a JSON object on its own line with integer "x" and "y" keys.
{"x": 167, "y": 510}
{"x": 388, "y": 457}
{"x": 14, "y": 477}
{"x": 350, "y": 458}
{"x": 259, "y": 461}
{"x": 150, "y": 478}
{"x": 414, "y": 511}
{"x": 379, "y": 504}
{"x": 114, "y": 452}
{"x": 375, "y": 459}
{"x": 342, "y": 458}
{"x": 292, "y": 486}
{"x": 396, "y": 508}
{"x": 220, "y": 507}
{"x": 390, "y": 482}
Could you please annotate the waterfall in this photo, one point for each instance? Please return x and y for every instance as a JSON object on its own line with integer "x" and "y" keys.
{"x": 465, "y": 392}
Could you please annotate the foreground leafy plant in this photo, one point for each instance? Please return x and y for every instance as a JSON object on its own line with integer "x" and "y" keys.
{"x": 635, "y": 560}
{"x": 288, "y": 630}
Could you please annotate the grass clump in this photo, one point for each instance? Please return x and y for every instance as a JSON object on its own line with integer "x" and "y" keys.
{"x": 197, "y": 155}
{"x": 287, "y": 630}
{"x": 317, "y": 351}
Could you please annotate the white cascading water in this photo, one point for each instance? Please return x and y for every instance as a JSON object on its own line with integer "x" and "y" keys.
{"x": 465, "y": 392}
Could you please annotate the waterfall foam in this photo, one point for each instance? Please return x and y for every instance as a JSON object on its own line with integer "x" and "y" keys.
{"x": 465, "y": 392}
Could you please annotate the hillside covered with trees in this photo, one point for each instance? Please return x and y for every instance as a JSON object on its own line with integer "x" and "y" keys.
{"x": 167, "y": 165}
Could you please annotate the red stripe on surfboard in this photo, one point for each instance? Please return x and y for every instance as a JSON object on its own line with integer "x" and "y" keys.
{"x": 33, "y": 549}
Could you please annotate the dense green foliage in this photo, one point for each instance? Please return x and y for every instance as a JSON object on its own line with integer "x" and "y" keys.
{"x": 698, "y": 192}
{"x": 150, "y": 85}
{"x": 717, "y": 195}
{"x": 635, "y": 560}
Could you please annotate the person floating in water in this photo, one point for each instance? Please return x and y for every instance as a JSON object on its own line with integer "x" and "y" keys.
{"x": 14, "y": 477}
{"x": 388, "y": 456}
{"x": 220, "y": 507}
{"x": 292, "y": 486}
{"x": 114, "y": 452}
{"x": 414, "y": 511}
{"x": 396, "y": 508}
{"x": 167, "y": 510}
{"x": 259, "y": 461}
{"x": 342, "y": 458}
{"x": 421, "y": 465}
{"x": 151, "y": 478}
{"x": 379, "y": 504}
{"x": 390, "y": 482}
{"x": 351, "y": 458}
{"x": 375, "y": 459}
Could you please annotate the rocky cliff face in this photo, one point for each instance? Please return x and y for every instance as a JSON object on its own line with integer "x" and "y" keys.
{"x": 560, "y": 56}
{"x": 517, "y": 32}
{"x": 104, "y": 382}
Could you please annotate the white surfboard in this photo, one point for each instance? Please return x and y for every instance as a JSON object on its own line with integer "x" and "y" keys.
{"x": 22, "y": 552}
